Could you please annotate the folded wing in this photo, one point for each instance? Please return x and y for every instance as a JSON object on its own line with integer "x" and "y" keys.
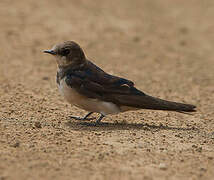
{"x": 119, "y": 91}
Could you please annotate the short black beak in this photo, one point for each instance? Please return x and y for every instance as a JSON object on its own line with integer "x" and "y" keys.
{"x": 49, "y": 52}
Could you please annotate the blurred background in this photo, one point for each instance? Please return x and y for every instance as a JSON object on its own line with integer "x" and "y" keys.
{"x": 165, "y": 47}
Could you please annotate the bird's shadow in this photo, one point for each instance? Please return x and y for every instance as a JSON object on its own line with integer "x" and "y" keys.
{"x": 105, "y": 126}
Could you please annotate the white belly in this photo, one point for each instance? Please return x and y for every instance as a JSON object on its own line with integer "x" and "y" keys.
{"x": 88, "y": 104}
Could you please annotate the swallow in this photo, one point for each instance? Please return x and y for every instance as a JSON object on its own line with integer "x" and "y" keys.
{"x": 85, "y": 85}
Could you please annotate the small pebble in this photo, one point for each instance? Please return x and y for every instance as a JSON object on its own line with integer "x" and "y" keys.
{"x": 38, "y": 124}
{"x": 16, "y": 144}
{"x": 194, "y": 146}
{"x": 45, "y": 78}
{"x": 210, "y": 158}
{"x": 162, "y": 166}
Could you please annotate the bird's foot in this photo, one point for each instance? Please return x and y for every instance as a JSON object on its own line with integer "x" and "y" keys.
{"x": 98, "y": 121}
{"x": 86, "y": 118}
{"x": 81, "y": 118}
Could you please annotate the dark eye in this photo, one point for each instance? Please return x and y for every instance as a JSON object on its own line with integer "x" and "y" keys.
{"x": 65, "y": 52}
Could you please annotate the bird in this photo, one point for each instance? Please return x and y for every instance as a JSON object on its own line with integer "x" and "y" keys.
{"x": 86, "y": 86}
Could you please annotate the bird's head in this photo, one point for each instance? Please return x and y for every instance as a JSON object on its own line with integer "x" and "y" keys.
{"x": 67, "y": 54}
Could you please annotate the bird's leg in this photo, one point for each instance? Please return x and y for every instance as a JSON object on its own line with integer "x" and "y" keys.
{"x": 87, "y": 115}
{"x": 99, "y": 119}
{"x": 84, "y": 118}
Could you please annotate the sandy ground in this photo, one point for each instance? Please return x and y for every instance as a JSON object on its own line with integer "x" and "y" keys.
{"x": 165, "y": 47}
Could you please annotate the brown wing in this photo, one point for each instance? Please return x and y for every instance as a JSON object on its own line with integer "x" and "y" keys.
{"x": 91, "y": 87}
{"x": 96, "y": 74}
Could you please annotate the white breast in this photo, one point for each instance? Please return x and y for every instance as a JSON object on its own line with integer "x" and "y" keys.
{"x": 83, "y": 102}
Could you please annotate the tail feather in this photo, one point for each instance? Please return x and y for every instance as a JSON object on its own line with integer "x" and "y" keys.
{"x": 160, "y": 104}
{"x": 149, "y": 102}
